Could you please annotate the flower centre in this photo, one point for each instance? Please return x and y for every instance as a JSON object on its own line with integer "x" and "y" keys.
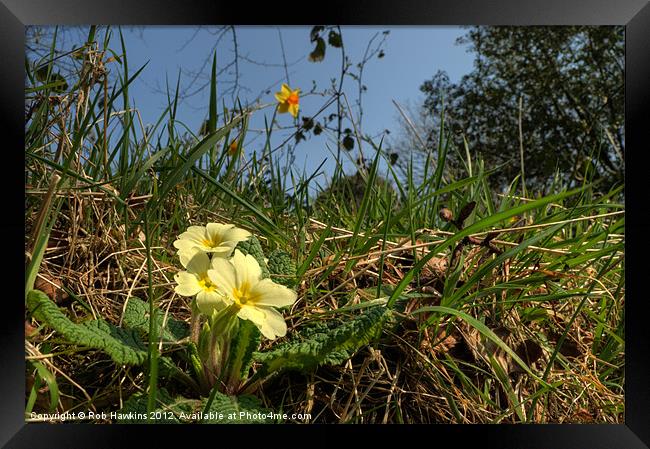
{"x": 206, "y": 283}
{"x": 241, "y": 294}
{"x": 212, "y": 243}
{"x": 293, "y": 98}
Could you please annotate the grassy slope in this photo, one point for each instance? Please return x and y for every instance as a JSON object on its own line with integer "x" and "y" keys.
{"x": 550, "y": 291}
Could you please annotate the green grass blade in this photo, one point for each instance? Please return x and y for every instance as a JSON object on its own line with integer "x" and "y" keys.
{"x": 485, "y": 331}
{"x": 178, "y": 173}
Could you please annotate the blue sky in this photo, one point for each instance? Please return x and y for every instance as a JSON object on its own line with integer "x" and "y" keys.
{"x": 412, "y": 55}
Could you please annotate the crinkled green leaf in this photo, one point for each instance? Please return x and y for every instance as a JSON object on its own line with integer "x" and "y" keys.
{"x": 224, "y": 409}
{"x": 136, "y": 316}
{"x": 168, "y": 410}
{"x": 282, "y": 268}
{"x": 245, "y": 409}
{"x": 330, "y": 347}
{"x": 122, "y": 345}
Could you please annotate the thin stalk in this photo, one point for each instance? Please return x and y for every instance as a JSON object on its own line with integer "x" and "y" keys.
{"x": 153, "y": 331}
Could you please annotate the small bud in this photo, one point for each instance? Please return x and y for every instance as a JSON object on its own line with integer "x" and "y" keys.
{"x": 446, "y": 214}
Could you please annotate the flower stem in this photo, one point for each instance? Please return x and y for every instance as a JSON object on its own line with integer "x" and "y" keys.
{"x": 218, "y": 349}
{"x": 195, "y": 324}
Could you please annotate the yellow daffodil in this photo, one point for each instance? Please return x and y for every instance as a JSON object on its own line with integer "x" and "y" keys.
{"x": 288, "y": 100}
{"x": 215, "y": 238}
{"x": 239, "y": 280}
{"x": 195, "y": 281}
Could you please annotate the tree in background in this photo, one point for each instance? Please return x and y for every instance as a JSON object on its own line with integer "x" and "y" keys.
{"x": 552, "y": 94}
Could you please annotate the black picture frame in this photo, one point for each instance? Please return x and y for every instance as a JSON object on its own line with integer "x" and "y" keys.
{"x": 633, "y": 14}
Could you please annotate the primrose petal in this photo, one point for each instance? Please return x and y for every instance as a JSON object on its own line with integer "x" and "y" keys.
{"x": 207, "y": 302}
{"x": 268, "y": 293}
{"x": 188, "y": 284}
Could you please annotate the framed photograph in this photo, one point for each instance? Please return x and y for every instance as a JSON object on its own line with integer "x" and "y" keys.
{"x": 371, "y": 213}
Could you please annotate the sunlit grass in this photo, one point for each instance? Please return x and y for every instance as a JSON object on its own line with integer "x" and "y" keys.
{"x": 513, "y": 313}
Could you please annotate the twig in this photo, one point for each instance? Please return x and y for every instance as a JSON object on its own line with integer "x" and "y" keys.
{"x": 521, "y": 146}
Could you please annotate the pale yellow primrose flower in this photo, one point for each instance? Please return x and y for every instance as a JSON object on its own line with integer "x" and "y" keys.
{"x": 195, "y": 281}
{"x": 215, "y": 238}
{"x": 238, "y": 279}
{"x": 289, "y": 100}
